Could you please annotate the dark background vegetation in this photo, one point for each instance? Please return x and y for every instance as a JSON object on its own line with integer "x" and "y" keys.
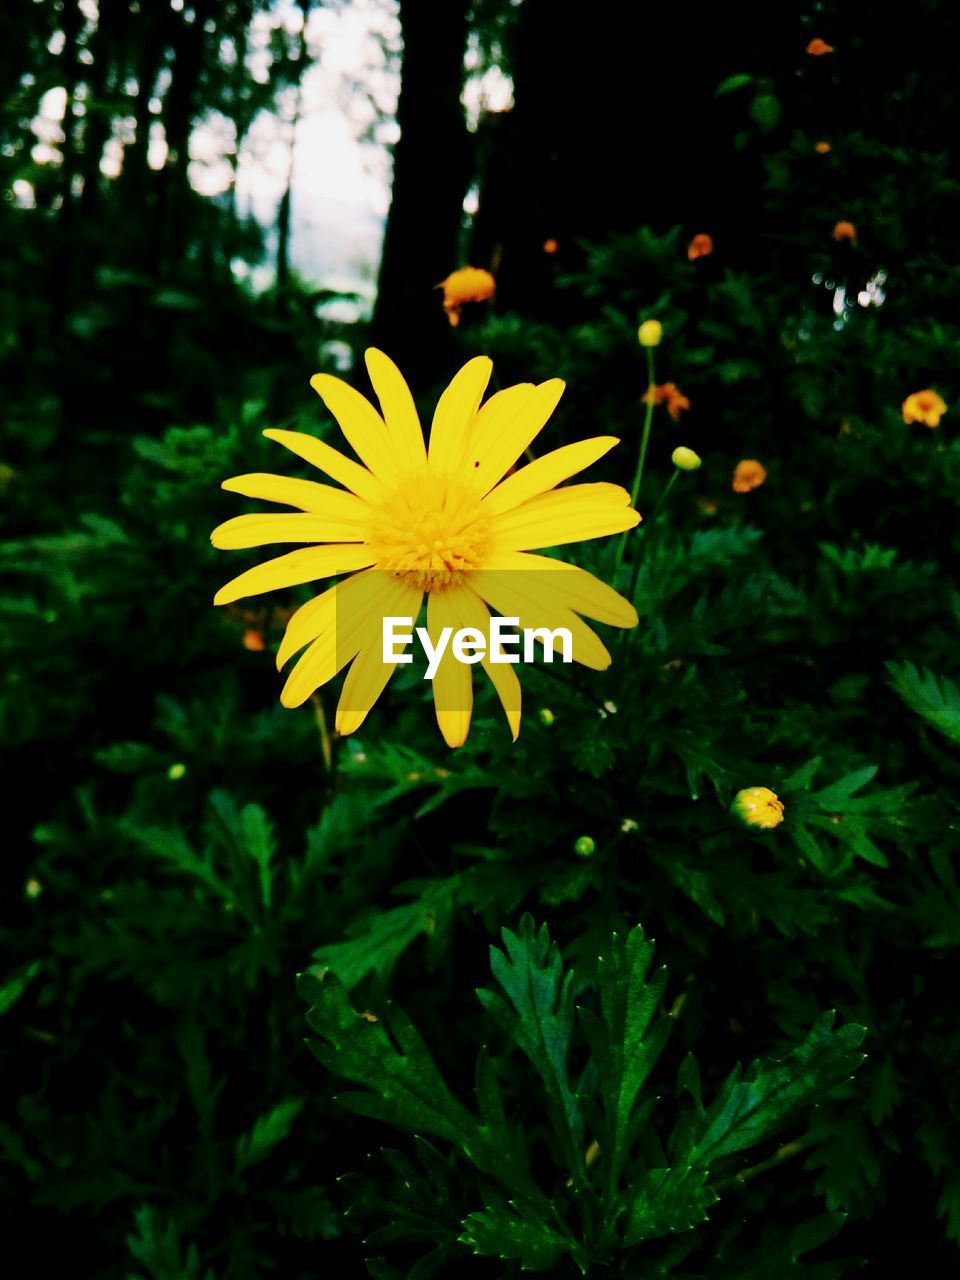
{"x": 178, "y": 847}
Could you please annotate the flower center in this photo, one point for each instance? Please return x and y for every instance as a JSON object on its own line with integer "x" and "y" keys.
{"x": 429, "y": 529}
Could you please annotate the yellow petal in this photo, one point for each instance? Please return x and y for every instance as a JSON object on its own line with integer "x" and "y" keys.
{"x": 360, "y": 423}
{"x": 453, "y": 682}
{"x": 311, "y": 620}
{"x": 396, "y": 405}
{"x": 306, "y": 564}
{"x": 369, "y": 674}
{"x": 308, "y": 495}
{"x": 341, "y": 468}
{"x": 455, "y": 412}
{"x": 546, "y": 579}
{"x": 360, "y": 612}
{"x": 573, "y": 514}
{"x": 500, "y": 438}
{"x": 470, "y": 611}
{"x": 546, "y": 472}
{"x": 507, "y": 593}
{"x": 362, "y": 592}
{"x": 262, "y": 528}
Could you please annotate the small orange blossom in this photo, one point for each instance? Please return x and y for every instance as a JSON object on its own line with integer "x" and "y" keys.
{"x": 924, "y": 406}
{"x": 469, "y": 284}
{"x": 701, "y": 246}
{"x": 822, "y": 148}
{"x": 845, "y": 231}
{"x": 817, "y": 47}
{"x": 667, "y": 393}
{"x": 748, "y": 474}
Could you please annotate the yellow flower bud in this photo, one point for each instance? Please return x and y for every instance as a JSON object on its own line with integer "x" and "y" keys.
{"x": 176, "y": 771}
{"x": 585, "y": 847}
{"x": 757, "y": 807}
{"x": 650, "y": 333}
{"x": 685, "y": 458}
{"x": 546, "y": 716}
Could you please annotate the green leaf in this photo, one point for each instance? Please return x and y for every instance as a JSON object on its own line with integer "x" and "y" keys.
{"x": 499, "y": 1231}
{"x": 665, "y": 1201}
{"x": 387, "y": 934}
{"x": 268, "y": 1130}
{"x": 738, "y": 81}
{"x": 539, "y": 1018}
{"x": 780, "y": 1253}
{"x": 933, "y": 697}
{"x": 404, "y": 1087}
{"x": 625, "y": 1040}
{"x": 749, "y": 1111}
{"x": 13, "y": 987}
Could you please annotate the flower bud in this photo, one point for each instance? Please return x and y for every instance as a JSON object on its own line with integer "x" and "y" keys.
{"x": 585, "y": 847}
{"x": 757, "y": 807}
{"x": 546, "y": 716}
{"x": 650, "y": 333}
{"x": 685, "y": 458}
{"x": 176, "y": 771}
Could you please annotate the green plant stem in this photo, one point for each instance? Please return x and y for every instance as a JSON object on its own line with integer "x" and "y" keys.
{"x": 642, "y": 458}
{"x": 661, "y": 501}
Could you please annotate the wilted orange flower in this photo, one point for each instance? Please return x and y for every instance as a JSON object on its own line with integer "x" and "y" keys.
{"x": 748, "y": 474}
{"x": 822, "y": 148}
{"x": 469, "y": 284}
{"x": 817, "y": 47}
{"x": 845, "y": 231}
{"x": 701, "y": 246}
{"x": 667, "y": 393}
{"x": 253, "y": 640}
{"x": 550, "y": 246}
{"x": 924, "y": 406}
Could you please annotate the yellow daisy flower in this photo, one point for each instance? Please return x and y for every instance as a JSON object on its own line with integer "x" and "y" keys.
{"x": 438, "y": 520}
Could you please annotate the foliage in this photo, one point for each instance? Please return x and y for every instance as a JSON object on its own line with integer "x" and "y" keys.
{"x": 179, "y": 847}
{"x": 640, "y": 1180}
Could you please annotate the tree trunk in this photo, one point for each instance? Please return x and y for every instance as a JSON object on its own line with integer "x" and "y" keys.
{"x": 430, "y": 176}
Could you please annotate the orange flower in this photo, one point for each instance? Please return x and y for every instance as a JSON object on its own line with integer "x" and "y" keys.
{"x": 667, "y": 393}
{"x": 817, "y": 47}
{"x": 469, "y": 284}
{"x": 845, "y": 231}
{"x": 550, "y": 246}
{"x": 253, "y": 640}
{"x": 822, "y": 148}
{"x": 924, "y": 406}
{"x": 748, "y": 474}
{"x": 701, "y": 246}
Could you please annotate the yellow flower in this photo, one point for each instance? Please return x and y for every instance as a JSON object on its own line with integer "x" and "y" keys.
{"x": 748, "y": 474}
{"x": 685, "y": 458}
{"x": 924, "y": 406}
{"x": 845, "y": 231}
{"x": 757, "y": 807}
{"x": 650, "y": 333}
{"x": 469, "y": 284}
{"x": 701, "y": 246}
{"x": 439, "y": 520}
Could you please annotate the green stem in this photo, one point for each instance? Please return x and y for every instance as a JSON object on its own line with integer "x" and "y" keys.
{"x": 642, "y": 458}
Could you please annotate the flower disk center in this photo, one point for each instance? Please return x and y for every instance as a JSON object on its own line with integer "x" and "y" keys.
{"x": 430, "y": 530}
